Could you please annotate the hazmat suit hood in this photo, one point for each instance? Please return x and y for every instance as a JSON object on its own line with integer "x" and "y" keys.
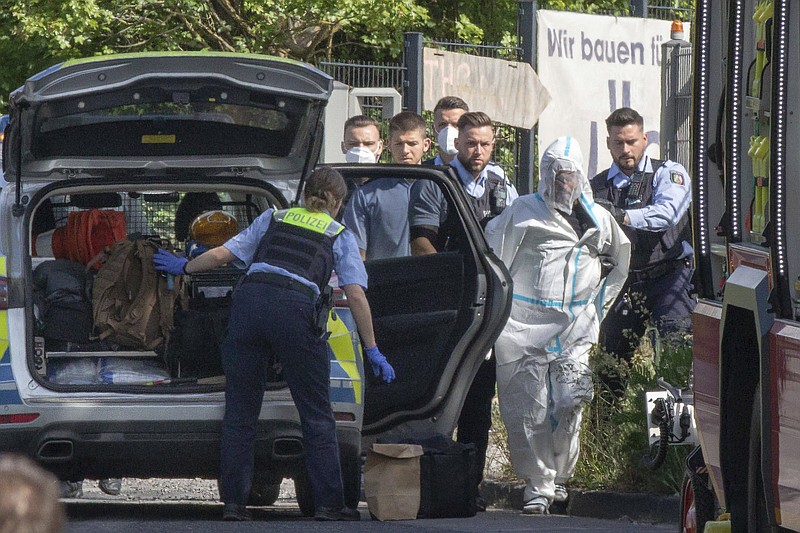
{"x": 561, "y": 176}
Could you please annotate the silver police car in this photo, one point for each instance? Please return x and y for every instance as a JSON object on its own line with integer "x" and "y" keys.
{"x": 161, "y": 138}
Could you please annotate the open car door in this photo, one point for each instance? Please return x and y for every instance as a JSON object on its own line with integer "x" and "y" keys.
{"x": 436, "y": 316}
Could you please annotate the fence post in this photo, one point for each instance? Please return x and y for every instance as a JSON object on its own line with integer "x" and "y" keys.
{"x": 527, "y": 138}
{"x": 412, "y": 61}
{"x": 639, "y": 8}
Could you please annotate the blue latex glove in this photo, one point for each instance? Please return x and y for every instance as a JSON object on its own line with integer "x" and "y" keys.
{"x": 380, "y": 365}
{"x": 163, "y": 260}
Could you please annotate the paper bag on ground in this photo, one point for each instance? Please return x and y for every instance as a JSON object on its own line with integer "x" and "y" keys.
{"x": 391, "y": 481}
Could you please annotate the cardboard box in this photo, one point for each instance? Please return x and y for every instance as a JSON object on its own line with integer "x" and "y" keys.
{"x": 391, "y": 481}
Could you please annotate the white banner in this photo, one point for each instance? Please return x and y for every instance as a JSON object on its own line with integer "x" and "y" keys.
{"x": 507, "y": 91}
{"x": 593, "y": 64}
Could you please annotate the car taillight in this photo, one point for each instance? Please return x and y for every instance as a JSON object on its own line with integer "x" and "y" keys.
{"x": 3, "y": 293}
{"x": 18, "y": 419}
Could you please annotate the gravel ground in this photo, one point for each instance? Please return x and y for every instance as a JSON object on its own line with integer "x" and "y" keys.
{"x": 205, "y": 490}
{"x": 134, "y": 489}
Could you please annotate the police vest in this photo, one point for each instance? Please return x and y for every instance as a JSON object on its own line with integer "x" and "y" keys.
{"x": 493, "y": 200}
{"x": 648, "y": 248}
{"x": 489, "y": 205}
{"x": 301, "y": 242}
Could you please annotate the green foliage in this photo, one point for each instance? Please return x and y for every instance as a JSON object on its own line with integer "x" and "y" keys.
{"x": 35, "y": 34}
{"x": 613, "y": 439}
{"x": 614, "y": 442}
{"x": 51, "y": 31}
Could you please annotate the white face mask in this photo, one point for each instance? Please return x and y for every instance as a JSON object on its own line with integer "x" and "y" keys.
{"x": 360, "y": 154}
{"x": 447, "y": 140}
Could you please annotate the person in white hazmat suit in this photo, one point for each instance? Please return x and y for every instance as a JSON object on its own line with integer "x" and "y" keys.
{"x": 568, "y": 259}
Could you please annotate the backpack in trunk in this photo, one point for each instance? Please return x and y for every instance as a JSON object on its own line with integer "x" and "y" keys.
{"x": 131, "y": 302}
{"x": 61, "y": 292}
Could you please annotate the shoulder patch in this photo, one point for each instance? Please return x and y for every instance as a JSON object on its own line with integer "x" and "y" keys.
{"x": 676, "y": 177}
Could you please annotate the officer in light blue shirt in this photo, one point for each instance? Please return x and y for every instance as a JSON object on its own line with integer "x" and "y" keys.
{"x": 489, "y": 192}
{"x": 277, "y": 315}
{"x": 349, "y": 267}
{"x": 486, "y": 185}
{"x": 650, "y": 199}
{"x": 671, "y": 197}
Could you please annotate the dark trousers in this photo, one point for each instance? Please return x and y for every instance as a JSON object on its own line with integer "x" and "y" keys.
{"x": 665, "y": 302}
{"x": 266, "y": 321}
{"x": 476, "y": 415}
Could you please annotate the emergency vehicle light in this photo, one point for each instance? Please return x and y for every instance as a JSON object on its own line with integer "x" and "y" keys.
{"x": 734, "y": 104}
{"x": 700, "y": 128}
{"x": 779, "y": 109}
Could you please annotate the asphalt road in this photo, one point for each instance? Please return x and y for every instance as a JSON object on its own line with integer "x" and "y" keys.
{"x": 166, "y": 517}
{"x": 167, "y": 506}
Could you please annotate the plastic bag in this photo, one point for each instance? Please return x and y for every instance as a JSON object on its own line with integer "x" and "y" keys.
{"x": 120, "y": 370}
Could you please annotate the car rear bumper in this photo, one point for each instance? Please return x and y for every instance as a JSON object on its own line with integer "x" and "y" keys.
{"x": 158, "y": 449}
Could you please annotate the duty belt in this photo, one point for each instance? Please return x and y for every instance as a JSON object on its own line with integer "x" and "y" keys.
{"x": 281, "y": 281}
{"x": 657, "y": 271}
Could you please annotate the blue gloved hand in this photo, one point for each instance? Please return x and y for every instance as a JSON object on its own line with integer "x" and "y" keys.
{"x": 163, "y": 260}
{"x": 380, "y": 365}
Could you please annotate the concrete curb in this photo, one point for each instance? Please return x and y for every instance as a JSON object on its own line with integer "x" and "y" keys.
{"x": 636, "y": 507}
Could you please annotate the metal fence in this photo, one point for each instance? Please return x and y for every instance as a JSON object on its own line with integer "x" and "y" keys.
{"x": 676, "y": 101}
{"x": 510, "y": 141}
{"x": 366, "y": 74}
{"x": 661, "y": 9}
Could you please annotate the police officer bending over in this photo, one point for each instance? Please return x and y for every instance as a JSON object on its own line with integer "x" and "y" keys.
{"x": 650, "y": 201}
{"x": 290, "y": 254}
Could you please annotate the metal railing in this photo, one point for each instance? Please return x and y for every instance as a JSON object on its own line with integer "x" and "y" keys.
{"x": 366, "y": 74}
{"x": 510, "y": 141}
{"x": 661, "y": 9}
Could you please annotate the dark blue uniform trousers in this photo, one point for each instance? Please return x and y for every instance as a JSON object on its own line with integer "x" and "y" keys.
{"x": 267, "y": 320}
{"x": 475, "y": 420}
{"x": 667, "y": 301}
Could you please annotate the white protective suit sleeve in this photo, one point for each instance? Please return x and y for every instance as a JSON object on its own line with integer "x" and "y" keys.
{"x": 616, "y": 253}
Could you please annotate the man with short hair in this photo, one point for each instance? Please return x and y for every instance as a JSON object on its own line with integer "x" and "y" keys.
{"x": 377, "y": 213}
{"x": 486, "y": 184}
{"x": 446, "y": 113}
{"x": 361, "y": 142}
{"x": 489, "y": 192}
{"x": 650, "y": 201}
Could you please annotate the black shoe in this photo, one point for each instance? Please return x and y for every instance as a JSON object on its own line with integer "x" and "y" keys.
{"x": 111, "y": 486}
{"x": 345, "y": 514}
{"x": 232, "y": 512}
{"x": 71, "y": 489}
{"x": 480, "y": 504}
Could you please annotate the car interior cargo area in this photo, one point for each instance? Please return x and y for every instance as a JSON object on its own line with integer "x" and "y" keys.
{"x": 103, "y": 315}
{"x": 103, "y": 318}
